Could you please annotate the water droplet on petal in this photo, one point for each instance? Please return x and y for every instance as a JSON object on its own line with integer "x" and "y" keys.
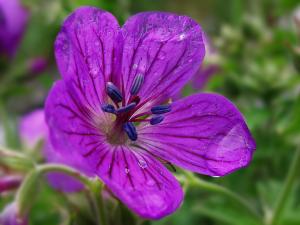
{"x": 127, "y": 170}
{"x": 150, "y": 182}
{"x": 142, "y": 163}
{"x": 182, "y": 36}
{"x": 135, "y": 66}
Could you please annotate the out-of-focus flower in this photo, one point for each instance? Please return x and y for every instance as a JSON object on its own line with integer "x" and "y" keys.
{"x": 110, "y": 107}
{"x": 13, "y": 20}
{"x": 209, "y": 68}
{"x": 10, "y": 216}
{"x": 33, "y": 129}
{"x": 9, "y": 182}
{"x": 38, "y": 65}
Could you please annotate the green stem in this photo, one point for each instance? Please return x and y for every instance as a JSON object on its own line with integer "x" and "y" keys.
{"x": 28, "y": 188}
{"x": 94, "y": 205}
{"x": 196, "y": 182}
{"x": 53, "y": 167}
{"x": 97, "y": 189}
{"x": 286, "y": 190}
{"x": 15, "y": 160}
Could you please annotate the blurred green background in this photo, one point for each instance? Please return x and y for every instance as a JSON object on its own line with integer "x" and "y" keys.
{"x": 257, "y": 50}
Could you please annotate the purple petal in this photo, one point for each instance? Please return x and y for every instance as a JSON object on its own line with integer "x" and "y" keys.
{"x": 13, "y": 19}
{"x": 138, "y": 180}
{"x": 61, "y": 181}
{"x": 33, "y": 128}
{"x": 9, "y": 216}
{"x": 204, "y": 133}
{"x": 166, "y": 48}
{"x": 84, "y": 53}
{"x": 204, "y": 74}
{"x": 9, "y": 182}
{"x": 73, "y": 126}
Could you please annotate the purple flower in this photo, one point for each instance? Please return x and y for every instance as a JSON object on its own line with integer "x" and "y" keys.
{"x": 37, "y": 65}
{"x": 13, "y": 19}
{"x": 111, "y": 107}
{"x": 33, "y": 128}
{"x": 9, "y": 216}
{"x": 208, "y": 69}
{"x": 9, "y": 182}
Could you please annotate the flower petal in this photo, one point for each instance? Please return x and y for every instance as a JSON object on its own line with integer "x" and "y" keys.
{"x": 33, "y": 128}
{"x": 166, "y": 48}
{"x": 138, "y": 180}
{"x": 61, "y": 181}
{"x": 72, "y": 126}
{"x": 84, "y": 52}
{"x": 204, "y": 133}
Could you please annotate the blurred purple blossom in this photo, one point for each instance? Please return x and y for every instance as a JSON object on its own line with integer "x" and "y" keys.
{"x": 9, "y": 182}
{"x": 33, "y": 129}
{"x": 38, "y": 65}
{"x": 13, "y": 20}
{"x": 9, "y": 216}
{"x": 110, "y": 107}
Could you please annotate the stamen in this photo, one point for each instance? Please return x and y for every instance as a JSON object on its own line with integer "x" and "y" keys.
{"x": 108, "y": 108}
{"x": 161, "y": 109}
{"x": 130, "y": 130}
{"x": 156, "y": 119}
{"x": 113, "y": 92}
{"x": 137, "y": 84}
{"x": 126, "y": 108}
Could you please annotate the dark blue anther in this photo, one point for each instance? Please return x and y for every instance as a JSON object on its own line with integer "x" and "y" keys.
{"x": 108, "y": 108}
{"x": 113, "y": 92}
{"x": 137, "y": 84}
{"x": 130, "y": 130}
{"x": 126, "y": 108}
{"x": 161, "y": 109}
{"x": 156, "y": 119}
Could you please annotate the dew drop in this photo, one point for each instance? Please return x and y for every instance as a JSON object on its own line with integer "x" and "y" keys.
{"x": 127, "y": 170}
{"x": 150, "y": 182}
{"x": 182, "y": 36}
{"x": 135, "y": 66}
{"x": 142, "y": 163}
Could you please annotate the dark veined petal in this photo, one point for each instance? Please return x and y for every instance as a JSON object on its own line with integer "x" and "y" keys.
{"x": 138, "y": 180}
{"x": 166, "y": 48}
{"x": 84, "y": 52}
{"x": 72, "y": 126}
{"x": 204, "y": 133}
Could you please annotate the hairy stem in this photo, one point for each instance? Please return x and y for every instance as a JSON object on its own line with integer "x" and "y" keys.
{"x": 286, "y": 190}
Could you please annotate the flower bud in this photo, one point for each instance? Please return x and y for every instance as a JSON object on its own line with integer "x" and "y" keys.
{"x": 10, "y": 216}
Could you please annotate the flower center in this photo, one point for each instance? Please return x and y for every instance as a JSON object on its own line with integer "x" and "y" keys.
{"x": 124, "y": 126}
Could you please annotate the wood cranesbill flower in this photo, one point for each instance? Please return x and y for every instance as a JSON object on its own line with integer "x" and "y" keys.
{"x": 13, "y": 20}
{"x": 10, "y": 216}
{"x": 112, "y": 107}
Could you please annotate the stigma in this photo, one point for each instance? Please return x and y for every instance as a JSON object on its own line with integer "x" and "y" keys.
{"x": 125, "y": 111}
